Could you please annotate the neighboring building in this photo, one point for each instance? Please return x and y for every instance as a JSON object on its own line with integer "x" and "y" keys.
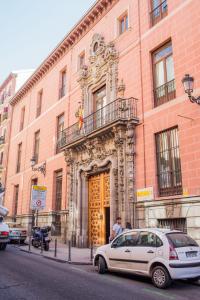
{"x": 7, "y": 90}
{"x": 138, "y": 159}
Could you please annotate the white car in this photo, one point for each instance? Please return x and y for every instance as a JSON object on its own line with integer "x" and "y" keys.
{"x": 162, "y": 254}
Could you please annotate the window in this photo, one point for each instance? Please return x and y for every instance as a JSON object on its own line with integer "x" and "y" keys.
{"x": 36, "y": 146}
{"x": 63, "y": 80}
{"x": 149, "y": 239}
{"x": 58, "y": 190}
{"x": 81, "y": 61}
{"x": 123, "y": 23}
{"x": 168, "y": 163}
{"x": 179, "y": 240}
{"x": 159, "y": 10}
{"x": 16, "y": 197}
{"x": 39, "y": 104}
{"x": 173, "y": 224}
{"x": 19, "y": 156}
{"x": 1, "y": 158}
{"x": 22, "y": 119}
{"x": 163, "y": 68}
{"x": 60, "y": 128}
{"x": 126, "y": 240}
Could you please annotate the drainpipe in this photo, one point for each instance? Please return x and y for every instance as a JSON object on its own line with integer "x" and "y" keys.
{"x": 142, "y": 121}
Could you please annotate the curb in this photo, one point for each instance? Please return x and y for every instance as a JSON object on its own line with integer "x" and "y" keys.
{"x": 58, "y": 259}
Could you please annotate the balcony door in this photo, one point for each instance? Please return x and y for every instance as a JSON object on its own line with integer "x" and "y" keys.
{"x": 99, "y": 103}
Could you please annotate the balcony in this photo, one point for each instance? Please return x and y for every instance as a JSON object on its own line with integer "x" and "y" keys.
{"x": 158, "y": 13}
{"x": 165, "y": 93}
{"x": 118, "y": 111}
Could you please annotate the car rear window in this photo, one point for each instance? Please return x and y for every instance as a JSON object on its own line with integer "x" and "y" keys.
{"x": 179, "y": 240}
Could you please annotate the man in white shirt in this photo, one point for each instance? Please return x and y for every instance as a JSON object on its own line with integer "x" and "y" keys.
{"x": 117, "y": 229}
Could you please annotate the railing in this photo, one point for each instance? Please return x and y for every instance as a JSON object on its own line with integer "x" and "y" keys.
{"x": 165, "y": 93}
{"x": 170, "y": 183}
{"x": 120, "y": 109}
{"x": 158, "y": 13}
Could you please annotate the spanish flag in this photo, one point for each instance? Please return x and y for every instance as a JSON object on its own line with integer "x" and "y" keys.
{"x": 80, "y": 118}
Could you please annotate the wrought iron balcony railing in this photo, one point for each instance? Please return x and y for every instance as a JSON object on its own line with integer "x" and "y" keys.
{"x": 158, "y": 13}
{"x": 165, "y": 93}
{"x": 118, "y": 110}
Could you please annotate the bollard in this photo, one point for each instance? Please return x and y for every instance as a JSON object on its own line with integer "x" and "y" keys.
{"x": 19, "y": 241}
{"x": 55, "y": 251}
{"x": 29, "y": 244}
{"x": 42, "y": 245}
{"x": 69, "y": 251}
{"x": 91, "y": 252}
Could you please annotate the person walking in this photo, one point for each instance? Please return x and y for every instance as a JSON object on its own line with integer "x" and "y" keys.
{"x": 117, "y": 229}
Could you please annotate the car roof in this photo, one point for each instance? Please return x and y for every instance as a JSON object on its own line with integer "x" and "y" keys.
{"x": 155, "y": 230}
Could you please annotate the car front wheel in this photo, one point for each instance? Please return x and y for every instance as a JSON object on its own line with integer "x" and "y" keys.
{"x": 101, "y": 265}
{"x": 160, "y": 277}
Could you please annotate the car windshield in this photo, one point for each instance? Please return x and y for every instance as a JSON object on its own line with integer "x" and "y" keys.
{"x": 179, "y": 239}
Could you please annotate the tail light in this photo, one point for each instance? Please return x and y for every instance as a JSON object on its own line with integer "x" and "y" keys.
{"x": 172, "y": 253}
{"x": 24, "y": 232}
{"x": 4, "y": 233}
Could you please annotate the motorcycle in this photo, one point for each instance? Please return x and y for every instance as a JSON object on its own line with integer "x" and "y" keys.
{"x": 40, "y": 237}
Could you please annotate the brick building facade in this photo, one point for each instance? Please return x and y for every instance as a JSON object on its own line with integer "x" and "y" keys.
{"x": 107, "y": 114}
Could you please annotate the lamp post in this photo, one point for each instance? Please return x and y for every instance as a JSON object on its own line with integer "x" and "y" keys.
{"x": 41, "y": 168}
{"x": 188, "y": 84}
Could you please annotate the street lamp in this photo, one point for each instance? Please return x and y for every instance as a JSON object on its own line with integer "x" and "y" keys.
{"x": 188, "y": 84}
{"x": 41, "y": 168}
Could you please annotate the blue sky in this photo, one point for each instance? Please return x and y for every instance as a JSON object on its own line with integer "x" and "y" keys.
{"x": 30, "y": 29}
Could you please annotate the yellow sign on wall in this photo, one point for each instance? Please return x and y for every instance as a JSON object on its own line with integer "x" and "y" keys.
{"x": 145, "y": 194}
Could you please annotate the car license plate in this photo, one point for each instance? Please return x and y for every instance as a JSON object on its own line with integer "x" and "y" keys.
{"x": 191, "y": 254}
{"x": 46, "y": 239}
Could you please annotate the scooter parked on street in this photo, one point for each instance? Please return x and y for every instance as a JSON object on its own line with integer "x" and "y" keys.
{"x": 41, "y": 238}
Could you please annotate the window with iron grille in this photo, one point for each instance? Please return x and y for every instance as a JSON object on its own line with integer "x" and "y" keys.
{"x": 168, "y": 163}
{"x": 63, "y": 80}
{"x": 36, "y": 146}
{"x": 19, "y": 156}
{"x": 22, "y": 119}
{"x": 39, "y": 104}
{"x": 163, "y": 69}
{"x": 173, "y": 224}
{"x": 58, "y": 190}
{"x": 159, "y": 11}
{"x": 60, "y": 128}
{"x": 16, "y": 196}
{"x": 123, "y": 23}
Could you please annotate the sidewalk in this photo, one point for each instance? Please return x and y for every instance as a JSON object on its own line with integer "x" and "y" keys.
{"x": 81, "y": 256}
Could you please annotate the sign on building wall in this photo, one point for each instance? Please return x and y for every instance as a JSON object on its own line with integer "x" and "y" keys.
{"x": 145, "y": 194}
{"x": 38, "y": 197}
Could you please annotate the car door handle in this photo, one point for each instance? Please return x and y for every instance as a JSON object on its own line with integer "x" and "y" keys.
{"x": 127, "y": 251}
{"x": 150, "y": 251}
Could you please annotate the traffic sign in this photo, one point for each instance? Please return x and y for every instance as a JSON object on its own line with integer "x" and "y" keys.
{"x": 38, "y": 197}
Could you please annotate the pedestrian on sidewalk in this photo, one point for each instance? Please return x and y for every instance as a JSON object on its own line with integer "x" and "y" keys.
{"x": 117, "y": 229}
{"x": 128, "y": 226}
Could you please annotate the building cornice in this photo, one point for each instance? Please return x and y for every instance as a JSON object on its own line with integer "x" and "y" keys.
{"x": 92, "y": 16}
{"x": 6, "y": 81}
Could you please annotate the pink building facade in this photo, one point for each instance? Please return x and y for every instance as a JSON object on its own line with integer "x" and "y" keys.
{"x": 7, "y": 90}
{"x": 106, "y": 115}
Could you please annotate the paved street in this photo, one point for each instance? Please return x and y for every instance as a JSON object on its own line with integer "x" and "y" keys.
{"x": 27, "y": 276}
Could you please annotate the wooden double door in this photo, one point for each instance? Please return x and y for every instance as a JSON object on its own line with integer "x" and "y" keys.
{"x": 99, "y": 209}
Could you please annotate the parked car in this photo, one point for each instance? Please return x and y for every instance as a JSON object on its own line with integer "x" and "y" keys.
{"x": 17, "y": 233}
{"x": 4, "y": 229}
{"x": 4, "y": 232}
{"x": 162, "y": 254}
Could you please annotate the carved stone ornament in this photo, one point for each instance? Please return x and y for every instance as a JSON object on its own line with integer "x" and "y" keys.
{"x": 69, "y": 156}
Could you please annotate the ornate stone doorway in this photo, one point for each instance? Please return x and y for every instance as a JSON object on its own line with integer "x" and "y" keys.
{"x": 100, "y": 153}
{"x": 99, "y": 208}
